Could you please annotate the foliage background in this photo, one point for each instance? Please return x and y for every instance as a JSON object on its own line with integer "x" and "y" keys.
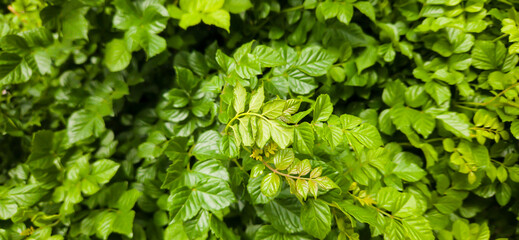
{"x": 156, "y": 119}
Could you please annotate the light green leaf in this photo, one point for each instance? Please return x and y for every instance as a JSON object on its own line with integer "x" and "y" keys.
{"x": 418, "y": 228}
{"x": 503, "y": 194}
{"x": 264, "y": 132}
{"x": 366, "y": 134}
{"x": 7, "y": 208}
{"x": 456, "y": 124}
{"x": 304, "y": 139}
{"x": 273, "y": 109}
{"x": 283, "y": 158}
{"x": 323, "y": 108}
{"x": 315, "y": 61}
{"x": 240, "y": 96}
{"x": 103, "y": 170}
{"x": 128, "y": 199}
{"x": 206, "y": 146}
{"x": 104, "y": 224}
{"x": 237, "y": 6}
{"x": 424, "y": 124}
{"x": 281, "y": 133}
{"x": 284, "y": 215}
{"x": 367, "y": 9}
{"x": 254, "y": 189}
{"x": 267, "y": 56}
{"x": 117, "y": 57}
{"x": 406, "y": 168}
{"x": 13, "y": 69}
{"x": 514, "y": 128}
{"x": 448, "y": 204}
{"x": 300, "y": 83}
{"x": 123, "y": 223}
{"x": 488, "y": 55}
{"x": 228, "y": 147}
{"x": 316, "y": 218}
{"x": 219, "y": 18}
{"x": 256, "y": 100}
{"x": 270, "y": 185}
{"x": 83, "y": 124}
{"x": 221, "y": 230}
{"x": 439, "y": 92}
{"x": 267, "y": 232}
{"x": 367, "y": 58}
{"x": 394, "y": 93}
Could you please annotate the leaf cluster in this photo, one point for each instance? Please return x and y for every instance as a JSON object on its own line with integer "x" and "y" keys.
{"x": 239, "y": 119}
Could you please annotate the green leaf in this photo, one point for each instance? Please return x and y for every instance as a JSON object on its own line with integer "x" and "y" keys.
{"x": 256, "y": 100}
{"x": 254, "y": 189}
{"x": 219, "y": 18}
{"x": 367, "y": 58}
{"x": 316, "y": 218}
{"x": 314, "y": 61}
{"x": 418, "y": 228}
{"x": 103, "y": 170}
{"x": 394, "y": 93}
{"x": 117, "y": 57}
{"x": 502, "y": 174}
{"x": 367, "y": 9}
{"x": 488, "y": 55}
{"x": 514, "y": 128}
{"x": 503, "y": 194}
{"x": 300, "y": 83}
{"x": 270, "y": 185}
{"x": 123, "y": 223}
{"x": 27, "y": 195}
{"x": 267, "y": 232}
{"x": 73, "y": 20}
{"x": 455, "y": 124}
{"x": 221, "y": 230}
{"x": 424, "y": 124}
{"x": 448, "y": 204}
{"x": 267, "y": 56}
{"x": 323, "y": 108}
{"x": 415, "y": 96}
{"x": 104, "y": 224}
{"x": 7, "y": 208}
{"x": 264, "y": 132}
{"x": 185, "y": 78}
{"x": 283, "y": 158}
{"x": 228, "y": 146}
{"x": 210, "y": 194}
{"x": 304, "y": 139}
{"x": 439, "y": 92}
{"x": 240, "y": 96}
{"x": 406, "y": 168}
{"x": 83, "y": 124}
{"x": 13, "y": 69}
{"x": 284, "y": 215}
{"x": 281, "y": 133}
{"x": 273, "y": 109}
{"x": 366, "y": 134}
{"x": 128, "y": 199}
{"x": 206, "y": 146}
{"x": 211, "y": 168}
{"x": 152, "y": 44}
{"x": 237, "y": 6}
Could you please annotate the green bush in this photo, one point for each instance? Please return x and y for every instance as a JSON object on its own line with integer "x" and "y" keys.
{"x": 265, "y": 119}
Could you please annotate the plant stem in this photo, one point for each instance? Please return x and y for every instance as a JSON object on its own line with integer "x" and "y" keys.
{"x": 241, "y": 115}
{"x": 494, "y": 98}
{"x": 293, "y": 8}
{"x": 283, "y": 174}
{"x": 239, "y": 165}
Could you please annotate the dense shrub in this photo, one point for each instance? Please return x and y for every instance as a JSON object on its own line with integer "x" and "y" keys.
{"x": 240, "y": 119}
